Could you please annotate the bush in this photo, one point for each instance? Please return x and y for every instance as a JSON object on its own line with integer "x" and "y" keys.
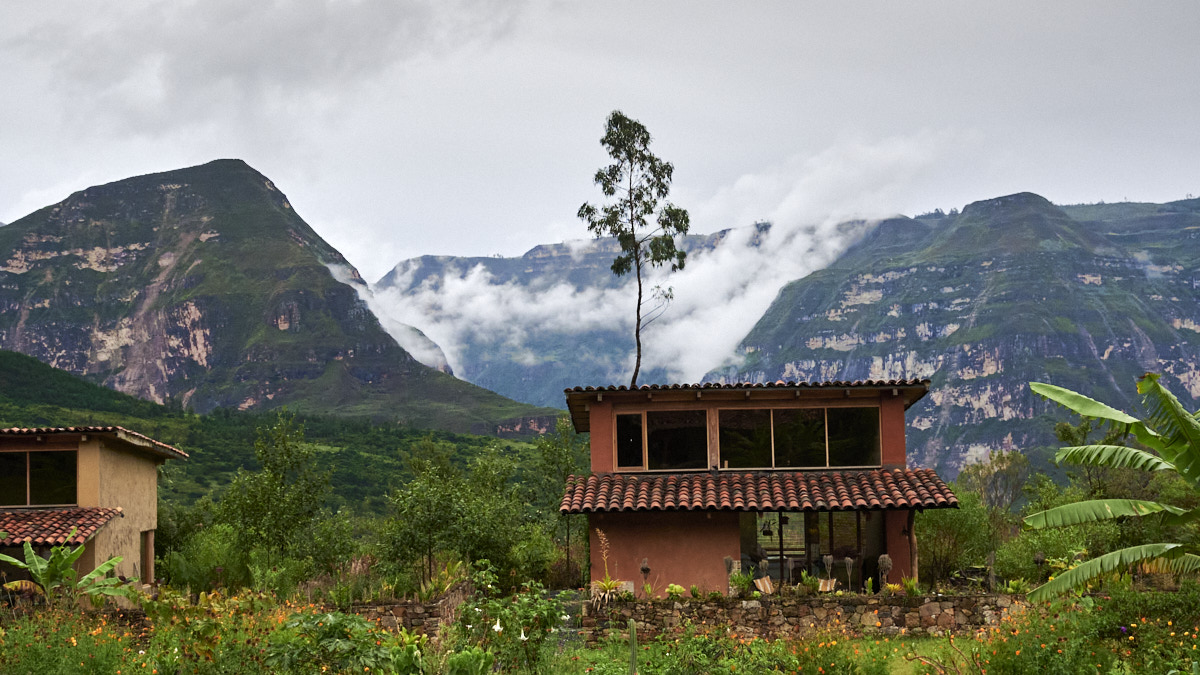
{"x": 516, "y": 628}
{"x": 209, "y": 559}
{"x": 309, "y": 643}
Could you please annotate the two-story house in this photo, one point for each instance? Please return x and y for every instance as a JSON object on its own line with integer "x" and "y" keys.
{"x": 101, "y": 481}
{"x": 689, "y": 480}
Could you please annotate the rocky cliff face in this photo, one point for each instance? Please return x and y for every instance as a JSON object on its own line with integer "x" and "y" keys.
{"x": 1011, "y": 290}
{"x": 202, "y": 286}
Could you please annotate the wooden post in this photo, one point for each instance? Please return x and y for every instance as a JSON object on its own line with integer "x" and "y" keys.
{"x": 912, "y": 543}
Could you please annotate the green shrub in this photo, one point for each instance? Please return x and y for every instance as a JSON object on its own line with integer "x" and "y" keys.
{"x": 516, "y": 628}
{"x": 209, "y": 559}
{"x": 340, "y": 643}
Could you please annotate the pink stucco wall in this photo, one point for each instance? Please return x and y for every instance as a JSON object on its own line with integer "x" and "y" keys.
{"x": 681, "y": 547}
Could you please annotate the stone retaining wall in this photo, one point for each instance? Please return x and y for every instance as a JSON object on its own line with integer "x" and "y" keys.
{"x": 418, "y": 617}
{"x": 778, "y": 617}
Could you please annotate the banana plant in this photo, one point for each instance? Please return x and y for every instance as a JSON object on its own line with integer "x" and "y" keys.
{"x": 56, "y": 574}
{"x": 1171, "y": 435}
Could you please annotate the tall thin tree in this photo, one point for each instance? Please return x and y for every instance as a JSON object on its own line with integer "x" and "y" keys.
{"x": 640, "y": 182}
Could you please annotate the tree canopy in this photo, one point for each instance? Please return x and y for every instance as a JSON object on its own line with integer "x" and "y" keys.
{"x": 640, "y": 182}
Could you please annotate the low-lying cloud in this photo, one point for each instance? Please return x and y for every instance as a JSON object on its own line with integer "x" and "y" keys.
{"x": 718, "y": 296}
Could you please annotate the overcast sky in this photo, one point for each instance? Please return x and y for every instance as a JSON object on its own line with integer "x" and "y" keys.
{"x": 401, "y": 128}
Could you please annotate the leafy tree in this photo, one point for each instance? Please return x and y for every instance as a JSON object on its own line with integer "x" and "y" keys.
{"x": 1172, "y": 436}
{"x": 998, "y": 483}
{"x": 640, "y": 182}
{"x": 270, "y": 508}
{"x": 560, "y": 454}
{"x": 953, "y": 539}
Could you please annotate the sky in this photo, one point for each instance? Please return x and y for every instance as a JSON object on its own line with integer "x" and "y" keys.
{"x": 400, "y": 128}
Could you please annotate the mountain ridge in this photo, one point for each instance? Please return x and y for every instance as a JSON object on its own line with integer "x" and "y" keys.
{"x": 203, "y": 285}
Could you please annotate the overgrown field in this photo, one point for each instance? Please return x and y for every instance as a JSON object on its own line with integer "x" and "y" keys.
{"x": 1124, "y": 631}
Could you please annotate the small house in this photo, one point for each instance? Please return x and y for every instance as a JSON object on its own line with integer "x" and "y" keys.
{"x": 100, "y": 481}
{"x": 689, "y": 482}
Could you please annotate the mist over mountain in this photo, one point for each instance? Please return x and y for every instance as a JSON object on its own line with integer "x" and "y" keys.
{"x": 557, "y": 317}
{"x": 1011, "y": 290}
{"x": 203, "y": 287}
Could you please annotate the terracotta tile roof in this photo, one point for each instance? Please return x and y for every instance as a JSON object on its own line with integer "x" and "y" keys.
{"x": 132, "y": 437}
{"x": 46, "y": 527}
{"x": 765, "y": 491}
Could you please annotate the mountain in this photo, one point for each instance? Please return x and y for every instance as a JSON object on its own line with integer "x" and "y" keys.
{"x": 1010, "y": 290}
{"x": 533, "y": 325}
{"x": 203, "y": 287}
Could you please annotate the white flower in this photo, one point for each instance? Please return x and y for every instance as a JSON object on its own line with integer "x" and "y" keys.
{"x": 469, "y": 626}
{"x": 566, "y": 617}
{"x": 497, "y": 627}
{"x": 523, "y": 633}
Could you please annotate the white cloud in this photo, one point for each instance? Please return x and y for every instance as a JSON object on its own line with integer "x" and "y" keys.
{"x": 718, "y": 296}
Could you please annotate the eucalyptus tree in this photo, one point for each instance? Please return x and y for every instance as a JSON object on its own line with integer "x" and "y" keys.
{"x": 1171, "y": 436}
{"x": 643, "y": 222}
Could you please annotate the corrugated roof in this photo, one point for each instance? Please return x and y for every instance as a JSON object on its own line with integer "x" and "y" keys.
{"x": 132, "y": 437}
{"x": 50, "y": 527}
{"x": 761, "y": 491}
{"x": 578, "y": 397}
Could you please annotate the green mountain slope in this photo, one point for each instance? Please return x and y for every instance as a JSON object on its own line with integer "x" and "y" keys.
{"x": 202, "y": 286}
{"x": 367, "y": 460}
{"x": 1011, "y": 290}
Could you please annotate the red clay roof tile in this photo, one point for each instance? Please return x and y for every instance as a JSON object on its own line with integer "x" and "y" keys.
{"x": 50, "y": 527}
{"x": 767, "y": 491}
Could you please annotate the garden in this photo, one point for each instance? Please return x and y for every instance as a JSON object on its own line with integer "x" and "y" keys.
{"x": 264, "y": 578}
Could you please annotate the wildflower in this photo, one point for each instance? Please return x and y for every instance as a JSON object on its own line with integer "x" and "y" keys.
{"x": 497, "y": 627}
{"x": 523, "y": 638}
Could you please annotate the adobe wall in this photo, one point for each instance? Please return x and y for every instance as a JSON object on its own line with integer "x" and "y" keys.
{"x": 681, "y": 547}
{"x": 774, "y": 617}
{"x": 128, "y": 480}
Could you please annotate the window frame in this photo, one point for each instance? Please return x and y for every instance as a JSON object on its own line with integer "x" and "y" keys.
{"x": 825, "y": 414}
{"x": 29, "y": 478}
{"x": 645, "y": 428}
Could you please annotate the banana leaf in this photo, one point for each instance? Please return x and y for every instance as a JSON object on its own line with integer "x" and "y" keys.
{"x": 1180, "y": 429}
{"x": 1098, "y": 509}
{"x": 1174, "y": 557}
{"x": 24, "y": 586}
{"x": 1114, "y": 456}
{"x": 1088, "y": 407}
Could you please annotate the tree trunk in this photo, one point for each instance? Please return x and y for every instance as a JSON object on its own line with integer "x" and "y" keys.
{"x": 637, "y": 324}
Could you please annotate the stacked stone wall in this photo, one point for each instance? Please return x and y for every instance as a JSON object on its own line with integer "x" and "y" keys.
{"x": 786, "y": 617}
{"x": 418, "y": 617}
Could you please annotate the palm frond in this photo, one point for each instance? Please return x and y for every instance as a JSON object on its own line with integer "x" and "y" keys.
{"x": 1088, "y": 407}
{"x": 1098, "y": 509}
{"x": 1114, "y": 456}
{"x": 1108, "y": 563}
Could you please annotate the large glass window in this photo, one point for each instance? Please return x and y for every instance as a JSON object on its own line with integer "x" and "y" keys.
{"x": 676, "y": 439}
{"x": 745, "y": 437}
{"x": 853, "y": 436}
{"x": 749, "y": 438}
{"x": 800, "y": 437}
{"x": 13, "y": 466}
{"x": 37, "y": 478}
{"x": 629, "y": 441}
